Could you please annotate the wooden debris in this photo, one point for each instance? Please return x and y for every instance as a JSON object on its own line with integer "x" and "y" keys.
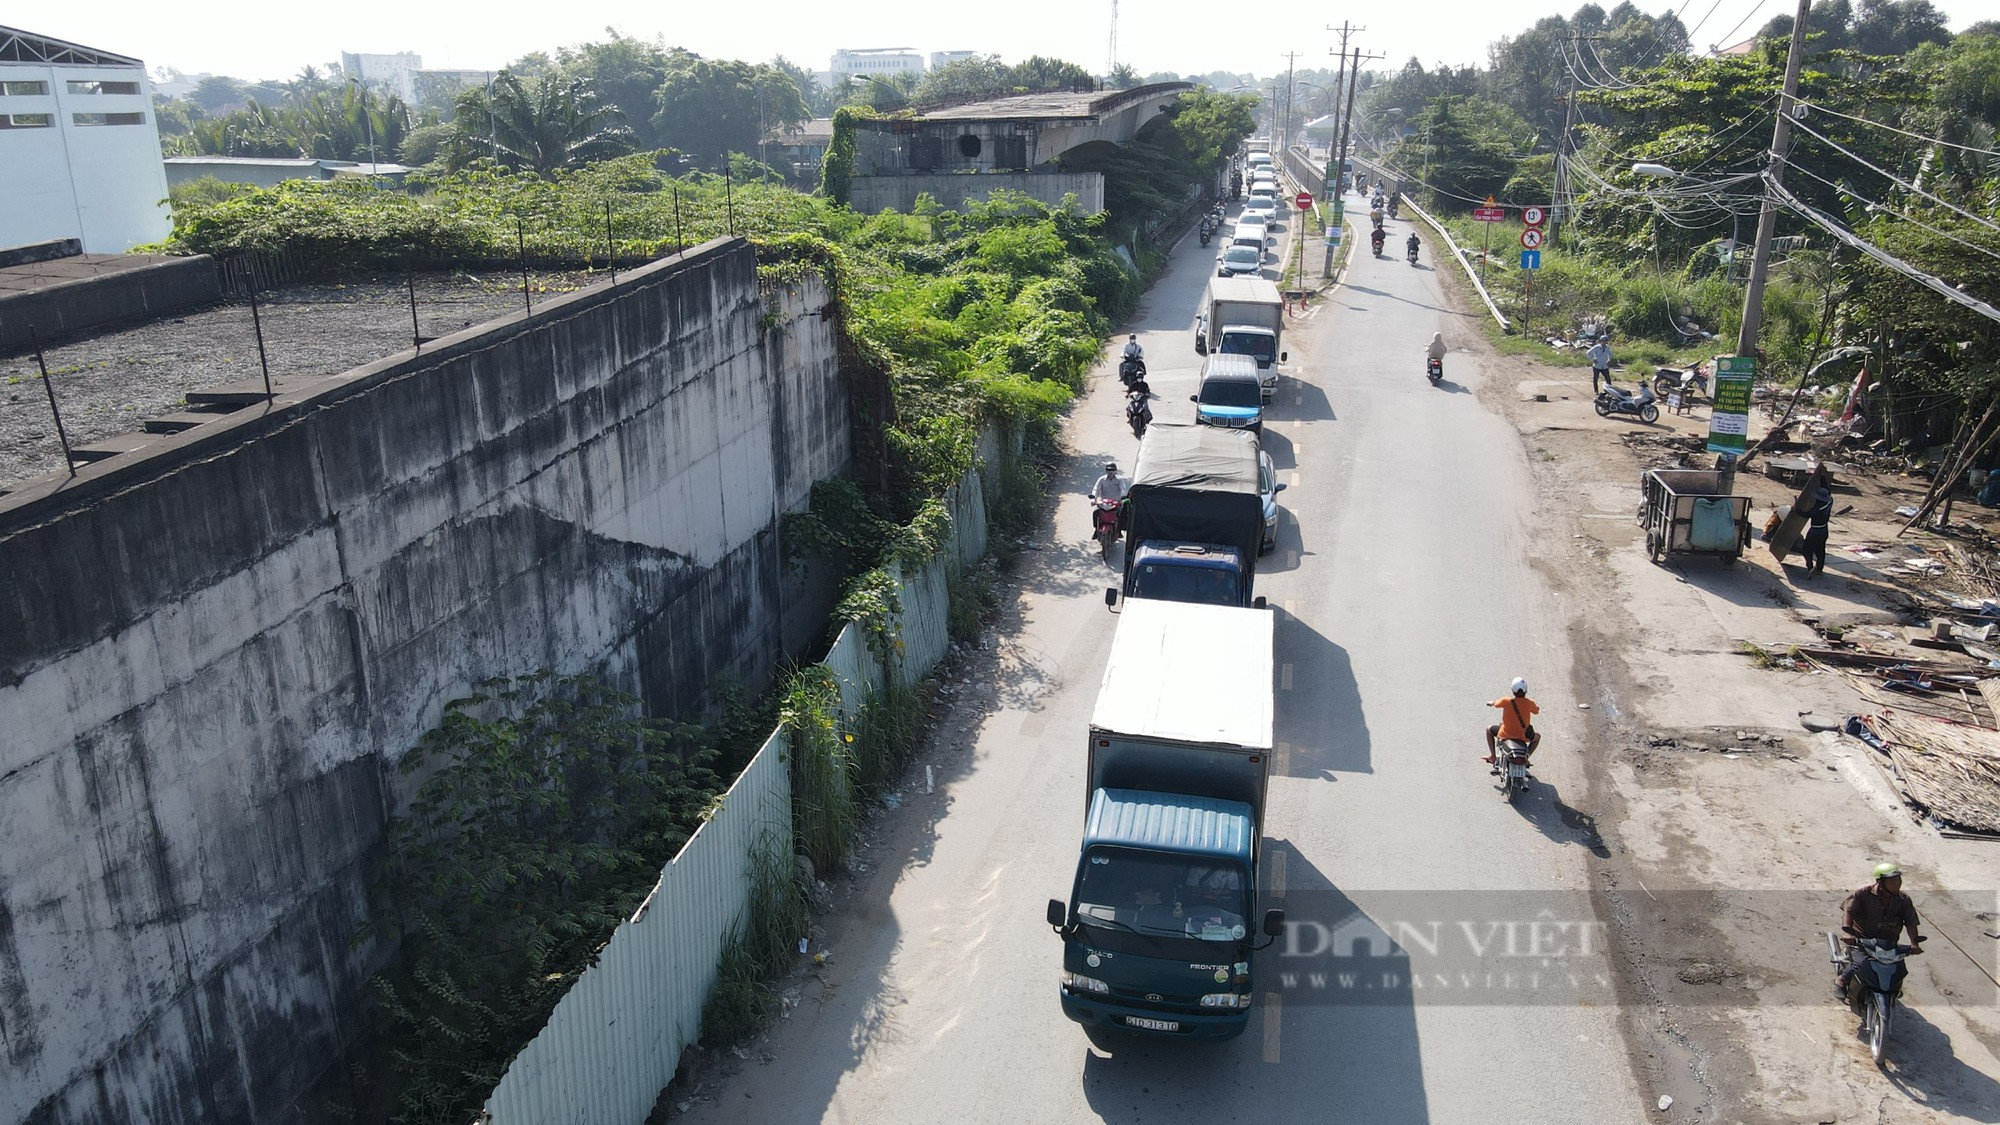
{"x": 1948, "y": 770}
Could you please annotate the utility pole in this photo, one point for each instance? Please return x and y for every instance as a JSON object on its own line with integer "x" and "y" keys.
{"x": 1347, "y": 118}
{"x": 1329, "y": 188}
{"x": 1767, "y": 216}
{"x": 1284, "y": 133}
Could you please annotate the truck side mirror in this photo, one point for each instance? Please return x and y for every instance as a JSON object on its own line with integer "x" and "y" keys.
{"x": 1277, "y": 488}
{"x": 1200, "y": 345}
{"x": 1194, "y": 398}
{"x": 1257, "y": 602}
{"x": 1059, "y": 914}
{"x": 1284, "y": 357}
{"x": 1274, "y": 921}
{"x": 1111, "y": 595}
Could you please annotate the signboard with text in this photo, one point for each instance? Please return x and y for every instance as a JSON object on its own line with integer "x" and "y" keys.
{"x": 1489, "y": 214}
{"x": 1729, "y": 420}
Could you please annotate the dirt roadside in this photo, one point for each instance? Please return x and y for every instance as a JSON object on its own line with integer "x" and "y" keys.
{"x": 1733, "y": 832}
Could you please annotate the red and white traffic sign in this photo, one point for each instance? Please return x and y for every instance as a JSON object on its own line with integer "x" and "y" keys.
{"x": 1533, "y": 216}
{"x": 1531, "y": 239}
{"x": 1303, "y": 201}
{"x": 1489, "y": 214}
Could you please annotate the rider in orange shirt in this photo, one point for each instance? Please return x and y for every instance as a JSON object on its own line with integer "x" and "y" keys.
{"x": 1516, "y": 723}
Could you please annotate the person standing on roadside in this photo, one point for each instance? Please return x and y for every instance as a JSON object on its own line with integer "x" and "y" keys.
{"x": 1819, "y": 510}
{"x": 1600, "y": 362}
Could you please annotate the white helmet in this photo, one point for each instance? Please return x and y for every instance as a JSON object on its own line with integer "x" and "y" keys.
{"x": 1519, "y": 686}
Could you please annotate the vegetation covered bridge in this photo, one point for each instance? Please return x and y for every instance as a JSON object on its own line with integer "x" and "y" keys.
{"x": 966, "y": 152}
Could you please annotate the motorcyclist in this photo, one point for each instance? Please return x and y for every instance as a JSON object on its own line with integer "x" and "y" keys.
{"x": 1375, "y": 239}
{"x": 1435, "y": 351}
{"x": 1877, "y": 911}
{"x": 1393, "y": 206}
{"x": 1412, "y": 244}
{"x": 1137, "y": 407}
{"x": 1132, "y": 348}
{"x": 1110, "y": 486}
{"x": 1517, "y": 714}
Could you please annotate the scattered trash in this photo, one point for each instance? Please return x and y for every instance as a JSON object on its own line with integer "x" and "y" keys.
{"x": 1583, "y": 706}
{"x": 802, "y": 945}
{"x": 1666, "y": 1103}
{"x": 1906, "y": 512}
{"x": 930, "y": 780}
{"x": 892, "y": 800}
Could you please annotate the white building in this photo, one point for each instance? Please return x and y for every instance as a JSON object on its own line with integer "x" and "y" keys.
{"x": 945, "y": 58}
{"x": 396, "y": 73}
{"x": 79, "y": 149}
{"x": 869, "y": 62}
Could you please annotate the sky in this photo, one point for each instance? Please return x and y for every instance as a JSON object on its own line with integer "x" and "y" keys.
{"x": 276, "y": 40}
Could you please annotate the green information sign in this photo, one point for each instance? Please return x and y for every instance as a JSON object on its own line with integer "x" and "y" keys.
{"x": 1729, "y": 421}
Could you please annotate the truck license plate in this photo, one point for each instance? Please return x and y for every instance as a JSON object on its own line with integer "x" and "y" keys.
{"x": 1151, "y": 1025}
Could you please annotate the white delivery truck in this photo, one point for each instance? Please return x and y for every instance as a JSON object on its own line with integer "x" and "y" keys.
{"x": 1244, "y": 316}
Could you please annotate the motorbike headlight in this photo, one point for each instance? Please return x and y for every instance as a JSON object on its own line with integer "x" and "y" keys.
{"x": 1077, "y": 982}
{"x": 1232, "y": 1000}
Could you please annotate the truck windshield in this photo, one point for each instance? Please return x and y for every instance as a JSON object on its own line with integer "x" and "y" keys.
{"x": 1231, "y": 392}
{"x": 1256, "y": 344}
{"x": 1171, "y": 582}
{"x": 1163, "y": 895}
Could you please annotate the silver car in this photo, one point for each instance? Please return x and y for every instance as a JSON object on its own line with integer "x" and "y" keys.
{"x": 1268, "y": 487}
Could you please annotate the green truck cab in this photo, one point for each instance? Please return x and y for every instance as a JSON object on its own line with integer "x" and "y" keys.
{"x": 1158, "y": 932}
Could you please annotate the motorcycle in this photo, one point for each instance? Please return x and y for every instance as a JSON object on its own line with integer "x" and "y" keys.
{"x": 1204, "y": 236}
{"x": 1510, "y": 762}
{"x": 1138, "y": 414}
{"x": 1413, "y": 255}
{"x": 1376, "y": 239}
{"x": 1131, "y": 370}
{"x": 1643, "y": 406}
{"x": 1875, "y": 984}
{"x": 1689, "y": 382}
{"x": 1433, "y": 369}
{"x": 1105, "y": 525}
{"x": 1393, "y": 209}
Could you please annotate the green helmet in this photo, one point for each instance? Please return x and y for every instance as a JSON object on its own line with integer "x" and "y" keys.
{"x": 1888, "y": 871}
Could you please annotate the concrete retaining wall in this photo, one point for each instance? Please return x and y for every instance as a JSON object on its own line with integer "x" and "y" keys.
{"x": 73, "y": 307}
{"x": 212, "y": 658}
{"x": 872, "y": 194}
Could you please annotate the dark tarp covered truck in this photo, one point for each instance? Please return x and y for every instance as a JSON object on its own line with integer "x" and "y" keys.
{"x": 1197, "y": 518}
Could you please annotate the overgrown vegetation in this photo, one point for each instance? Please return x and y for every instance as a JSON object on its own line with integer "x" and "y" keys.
{"x": 546, "y": 808}
{"x": 1897, "y": 149}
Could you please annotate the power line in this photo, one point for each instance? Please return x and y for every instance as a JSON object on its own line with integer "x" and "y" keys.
{"x": 1938, "y": 285}
{"x": 1818, "y": 108}
{"x": 1913, "y": 220}
{"x": 1739, "y": 25}
{"x": 1899, "y": 181}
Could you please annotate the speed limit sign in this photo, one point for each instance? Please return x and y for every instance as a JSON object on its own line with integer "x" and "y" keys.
{"x": 1531, "y": 239}
{"x": 1532, "y": 216}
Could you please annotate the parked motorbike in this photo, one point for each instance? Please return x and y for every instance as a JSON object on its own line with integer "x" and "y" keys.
{"x": 1875, "y": 984}
{"x": 1510, "y": 762}
{"x": 1643, "y": 406}
{"x": 1138, "y": 412}
{"x": 1106, "y": 525}
{"x": 1688, "y": 381}
{"x": 1376, "y": 239}
{"x": 1433, "y": 369}
{"x": 1131, "y": 369}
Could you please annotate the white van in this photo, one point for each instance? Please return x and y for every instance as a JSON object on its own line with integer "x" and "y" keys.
{"x": 1258, "y": 159}
{"x": 1250, "y": 233}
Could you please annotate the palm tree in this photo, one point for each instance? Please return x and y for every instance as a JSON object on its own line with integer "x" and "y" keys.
{"x": 540, "y": 125}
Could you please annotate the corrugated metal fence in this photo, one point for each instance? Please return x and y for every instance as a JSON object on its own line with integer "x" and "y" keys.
{"x": 613, "y": 1042}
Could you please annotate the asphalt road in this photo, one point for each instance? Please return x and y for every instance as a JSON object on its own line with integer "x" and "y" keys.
{"x": 1443, "y": 963}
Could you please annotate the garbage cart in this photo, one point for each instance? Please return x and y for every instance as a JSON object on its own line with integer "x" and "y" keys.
{"x": 1689, "y": 512}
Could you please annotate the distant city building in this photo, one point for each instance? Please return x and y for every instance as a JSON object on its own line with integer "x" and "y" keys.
{"x": 79, "y": 149}
{"x": 171, "y": 83}
{"x": 945, "y": 58}
{"x": 270, "y": 171}
{"x": 869, "y": 62}
{"x": 396, "y": 73}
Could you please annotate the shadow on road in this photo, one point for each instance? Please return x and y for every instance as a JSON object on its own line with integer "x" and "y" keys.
{"x": 1922, "y": 1067}
{"x": 1542, "y": 806}
{"x": 1733, "y": 583}
{"x": 1339, "y": 1044}
{"x": 1311, "y": 403}
{"x": 1321, "y": 716}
